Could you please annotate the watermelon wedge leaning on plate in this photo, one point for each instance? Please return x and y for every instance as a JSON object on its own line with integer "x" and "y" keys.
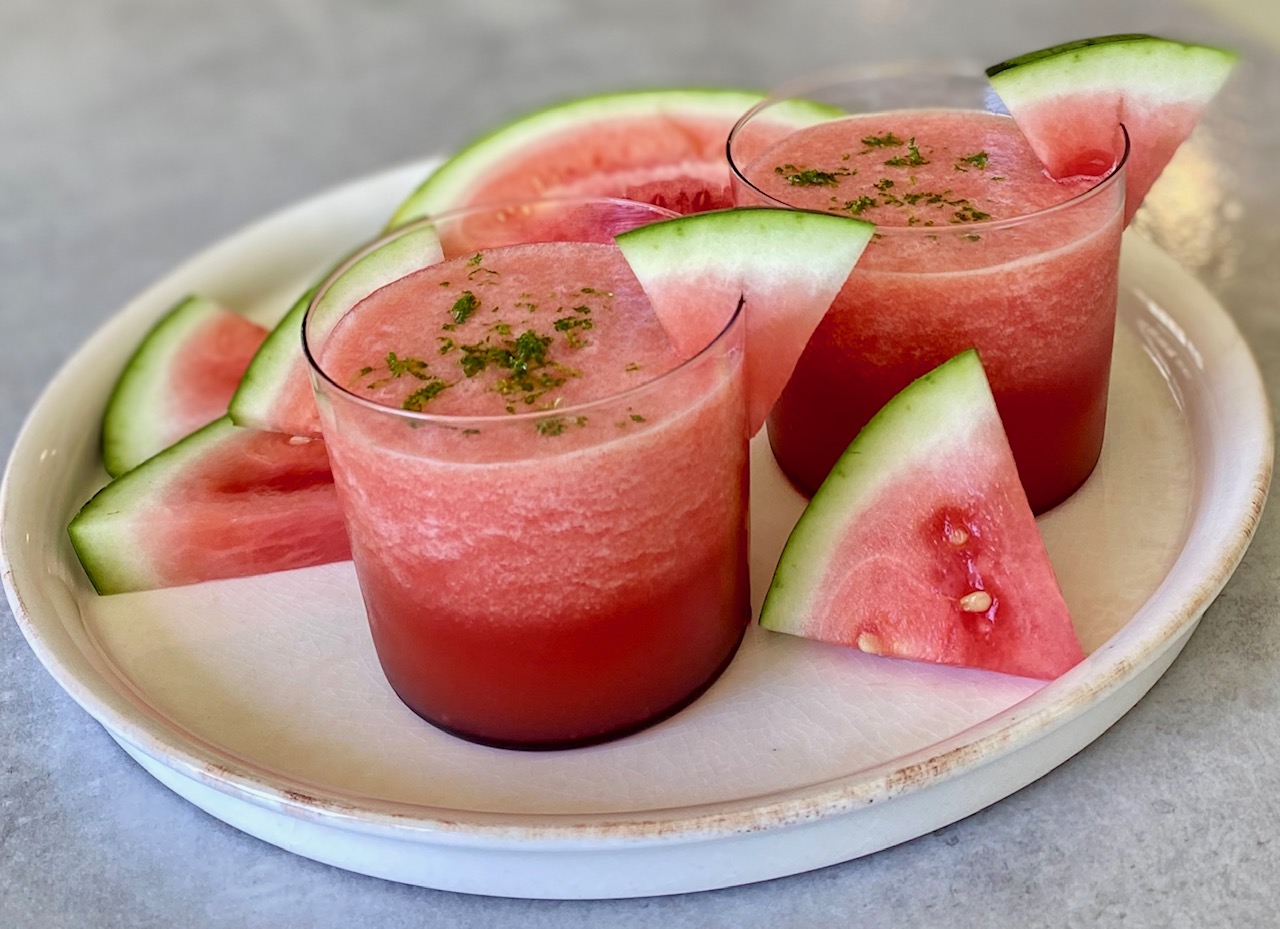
{"x": 223, "y": 502}
{"x": 181, "y": 377}
{"x": 1070, "y": 100}
{"x": 920, "y": 543}
{"x": 664, "y": 147}
{"x": 275, "y": 393}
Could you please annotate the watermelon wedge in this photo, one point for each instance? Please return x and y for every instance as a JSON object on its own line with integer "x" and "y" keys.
{"x": 664, "y": 147}
{"x": 787, "y": 265}
{"x": 275, "y": 393}
{"x": 223, "y": 502}
{"x": 920, "y": 544}
{"x": 1069, "y": 101}
{"x": 180, "y": 377}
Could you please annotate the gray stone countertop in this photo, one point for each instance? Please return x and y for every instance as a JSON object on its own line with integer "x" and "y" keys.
{"x": 134, "y": 133}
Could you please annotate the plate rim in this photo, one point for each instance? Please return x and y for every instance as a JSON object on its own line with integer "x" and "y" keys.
{"x": 1053, "y": 706}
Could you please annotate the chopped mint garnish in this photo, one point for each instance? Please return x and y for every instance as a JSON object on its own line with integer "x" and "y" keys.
{"x": 420, "y": 397}
{"x": 911, "y": 159}
{"x": 812, "y": 177}
{"x": 464, "y": 307}
{"x": 888, "y": 140}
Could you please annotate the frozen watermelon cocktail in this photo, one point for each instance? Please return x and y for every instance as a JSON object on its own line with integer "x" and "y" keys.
{"x": 975, "y": 246}
{"x": 546, "y": 502}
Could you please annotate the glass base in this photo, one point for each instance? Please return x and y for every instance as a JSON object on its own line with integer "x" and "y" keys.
{"x": 597, "y": 738}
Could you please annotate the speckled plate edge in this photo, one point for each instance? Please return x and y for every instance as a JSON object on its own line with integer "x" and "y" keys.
{"x": 691, "y": 848}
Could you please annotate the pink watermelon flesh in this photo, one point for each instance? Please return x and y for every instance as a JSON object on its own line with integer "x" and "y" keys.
{"x": 674, "y": 160}
{"x": 786, "y": 266}
{"x": 225, "y": 502}
{"x": 921, "y": 544}
{"x": 1071, "y": 100}
{"x": 1071, "y": 140}
{"x": 206, "y": 371}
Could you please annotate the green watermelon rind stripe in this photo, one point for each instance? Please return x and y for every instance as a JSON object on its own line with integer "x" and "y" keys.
{"x": 945, "y": 406}
{"x": 441, "y": 189}
{"x": 1161, "y": 69}
{"x": 265, "y": 380}
{"x": 272, "y": 369}
{"x": 130, "y": 425}
{"x": 104, "y": 533}
{"x": 788, "y": 249}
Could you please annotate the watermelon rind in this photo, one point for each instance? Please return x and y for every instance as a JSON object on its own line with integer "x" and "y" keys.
{"x": 1069, "y": 101}
{"x": 131, "y": 426}
{"x": 104, "y": 533}
{"x": 920, "y": 421}
{"x": 447, "y": 185}
{"x": 243, "y": 509}
{"x": 787, "y": 264}
{"x": 1167, "y": 67}
{"x": 921, "y": 544}
{"x": 275, "y": 393}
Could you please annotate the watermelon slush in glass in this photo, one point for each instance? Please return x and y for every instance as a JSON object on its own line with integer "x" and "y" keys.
{"x": 976, "y": 246}
{"x": 547, "y": 508}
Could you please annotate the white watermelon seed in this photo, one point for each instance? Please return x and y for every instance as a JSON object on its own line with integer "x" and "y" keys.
{"x": 976, "y": 601}
{"x": 870, "y": 644}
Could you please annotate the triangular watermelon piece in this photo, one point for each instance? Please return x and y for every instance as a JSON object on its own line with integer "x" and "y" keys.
{"x": 788, "y": 265}
{"x": 1069, "y": 101}
{"x": 660, "y": 146}
{"x": 181, "y": 377}
{"x": 223, "y": 502}
{"x": 275, "y": 393}
{"x": 920, "y": 544}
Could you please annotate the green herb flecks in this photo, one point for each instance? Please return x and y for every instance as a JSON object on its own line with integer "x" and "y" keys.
{"x": 888, "y": 140}
{"x": 533, "y": 373}
{"x": 556, "y": 425}
{"x": 464, "y": 307}
{"x": 858, "y": 206}
{"x": 968, "y": 213}
{"x": 566, "y": 323}
{"x": 976, "y": 160}
{"x": 812, "y": 177}
{"x": 423, "y": 395}
{"x": 911, "y": 159}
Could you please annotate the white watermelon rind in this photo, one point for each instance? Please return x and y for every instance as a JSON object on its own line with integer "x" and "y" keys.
{"x": 788, "y": 264}
{"x": 794, "y": 248}
{"x": 280, "y": 359}
{"x": 443, "y": 188}
{"x": 1162, "y": 70}
{"x": 933, "y": 412}
{"x": 104, "y": 533}
{"x": 131, "y": 425}
{"x": 267, "y": 375}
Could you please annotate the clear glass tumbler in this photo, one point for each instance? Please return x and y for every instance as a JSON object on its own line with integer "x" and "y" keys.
{"x": 975, "y": 246}
{"x": 536, "y": 576}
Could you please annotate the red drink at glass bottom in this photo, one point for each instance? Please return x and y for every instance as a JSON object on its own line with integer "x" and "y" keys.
{"x": 976, "y": 247}
{"x": 541, "y": 567}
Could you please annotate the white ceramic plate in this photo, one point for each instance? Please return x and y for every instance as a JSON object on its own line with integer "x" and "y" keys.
{"x": 261, "y": 701}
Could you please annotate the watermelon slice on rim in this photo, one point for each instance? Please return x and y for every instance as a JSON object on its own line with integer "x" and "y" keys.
{"x": 1069, "y": 101}
{"x": 664, "y": 147}
{"x": 788, "y": 265}
{"x": 181, "y": 377}
{"x": 920, "y": 544}
{"x": 275, "y": 393}
{"x": 223, "y": 502}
